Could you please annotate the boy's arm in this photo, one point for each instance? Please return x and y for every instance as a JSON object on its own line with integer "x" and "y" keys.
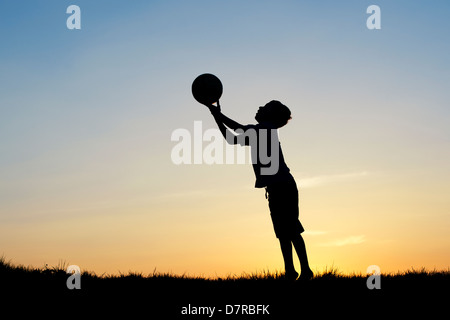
{"x": 219, "y": 116}
{"x": 223, "y": 120}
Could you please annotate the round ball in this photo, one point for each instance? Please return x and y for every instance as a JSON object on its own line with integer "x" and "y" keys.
{"x": 207, "y": 88}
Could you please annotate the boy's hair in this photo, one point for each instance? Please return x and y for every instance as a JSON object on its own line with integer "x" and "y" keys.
{"x": 279, "y": 113}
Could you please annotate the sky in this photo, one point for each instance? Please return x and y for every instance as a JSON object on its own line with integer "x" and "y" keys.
{"x": 86, "y": 118}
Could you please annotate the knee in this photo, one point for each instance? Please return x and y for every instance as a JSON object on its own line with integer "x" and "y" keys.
{"x": 285, "y": 240}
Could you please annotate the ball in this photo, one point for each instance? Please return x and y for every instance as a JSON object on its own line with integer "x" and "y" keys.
{"x": 207, "y": 88}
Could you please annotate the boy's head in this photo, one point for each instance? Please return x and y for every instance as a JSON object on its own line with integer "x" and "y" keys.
{"x": 274, "y": 112}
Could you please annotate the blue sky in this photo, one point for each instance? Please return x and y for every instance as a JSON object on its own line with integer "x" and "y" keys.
{"x": 150, "y": 43}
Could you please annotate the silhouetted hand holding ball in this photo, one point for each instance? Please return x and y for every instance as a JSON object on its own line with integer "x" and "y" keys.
{"x": 214, "y": 108}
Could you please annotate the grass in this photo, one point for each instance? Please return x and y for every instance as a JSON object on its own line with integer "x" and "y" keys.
{"x": 6, "y": 266}
{"x": 329, "y": 291}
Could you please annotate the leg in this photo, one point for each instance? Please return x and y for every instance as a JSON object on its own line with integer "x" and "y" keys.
{"x": 300, "y": 248}
{"x": 286, "y": 250}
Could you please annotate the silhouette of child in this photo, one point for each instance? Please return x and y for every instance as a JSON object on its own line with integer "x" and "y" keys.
{"x": 273, "y": 175}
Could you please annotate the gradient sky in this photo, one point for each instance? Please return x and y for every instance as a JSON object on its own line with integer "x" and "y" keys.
{"x": 86, "y": 118}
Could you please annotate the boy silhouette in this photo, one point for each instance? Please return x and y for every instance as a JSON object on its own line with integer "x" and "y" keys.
{"x": 273, "y": 175}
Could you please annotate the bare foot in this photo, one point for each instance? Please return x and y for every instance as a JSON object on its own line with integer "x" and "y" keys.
{"x": 291, "y": 275}
{"x": 306, "y": 274}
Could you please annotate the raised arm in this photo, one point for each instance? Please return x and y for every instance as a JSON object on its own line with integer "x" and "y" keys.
{"x": 223, "y": 122}
{"x": 230, "y": 123}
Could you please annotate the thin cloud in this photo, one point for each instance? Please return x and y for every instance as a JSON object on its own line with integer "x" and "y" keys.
{"x": 351, "y": 240}
{"x": 311, "y": 182}
{"x": 314, "y": 232}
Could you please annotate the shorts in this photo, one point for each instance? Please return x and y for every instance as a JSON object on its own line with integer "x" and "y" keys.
{"x": 283, "y": 205}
